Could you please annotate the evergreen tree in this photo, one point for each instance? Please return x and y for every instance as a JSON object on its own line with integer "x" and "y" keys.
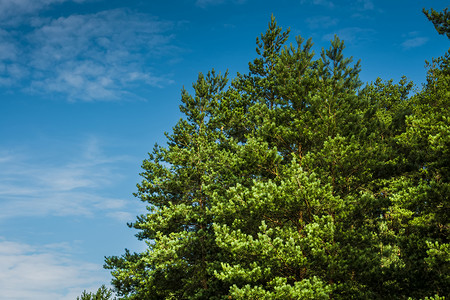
{"x": 296, "y": 182}
{"x": 178, "y": 183}
{"x": 441, "y": 20}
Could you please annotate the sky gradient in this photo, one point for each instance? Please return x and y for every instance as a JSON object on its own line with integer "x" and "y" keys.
{"x": 87, "y": 87}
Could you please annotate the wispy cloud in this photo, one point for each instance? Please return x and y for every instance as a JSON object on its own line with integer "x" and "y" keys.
{"x": 321, "y": 22}
{"x": 363, "y": 5}
{"x": 353, "y": 35}
{"x": 74, "y": 187}
{"x": 205, "y": 3}
{"x": 85, "y": 57}
{"x": 414, "y": 42}
{"x": 44, "y": 272}
{"x": 359, "y": 5}
{"x": 325, "y": 3}
{"x": 14, "y": 11}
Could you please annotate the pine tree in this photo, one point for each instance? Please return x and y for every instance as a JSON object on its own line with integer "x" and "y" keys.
{"x": 441, "y": 20}
{"x": 178, "y": 182}
{"x": 295, "y": 181}
{"x": 418, "y": 217}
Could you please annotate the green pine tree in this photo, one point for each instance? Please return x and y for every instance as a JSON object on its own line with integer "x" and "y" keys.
{"x": 178, "y": 185}
{"x": 441, "y": 20}
{"x": 295, "y": 181}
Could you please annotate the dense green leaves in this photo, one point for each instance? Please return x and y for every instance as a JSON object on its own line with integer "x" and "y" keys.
{"x": 296, "y": 182}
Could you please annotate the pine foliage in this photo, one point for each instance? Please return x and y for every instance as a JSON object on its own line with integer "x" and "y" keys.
{"x": 296, "y": 181}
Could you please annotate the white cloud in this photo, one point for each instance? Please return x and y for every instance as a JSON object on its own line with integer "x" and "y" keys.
{"x": 325, "y": 3}
{"x": 365, "y": 5}
{"x": 13, "y": 11}
{"x": 73, "y": 187}
{"x": 121, "y": 216}
{"x": 8, "y": 49}
{"x": 353, "y": 35}
{"x": 76, "y": 184}
{"x": 321, "y": 22}
{"x": 414, "y": 42}
{"x": 205, "y": 3}
{"x": 86, "y": 57}
{"x": 45, "y": 272}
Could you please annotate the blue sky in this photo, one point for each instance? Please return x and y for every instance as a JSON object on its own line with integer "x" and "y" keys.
{"x": 87, "y": 87}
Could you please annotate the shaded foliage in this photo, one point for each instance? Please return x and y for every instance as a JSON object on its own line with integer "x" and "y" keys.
{"x": 441, "y": 20}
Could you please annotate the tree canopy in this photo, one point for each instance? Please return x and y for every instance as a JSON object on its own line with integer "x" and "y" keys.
{"x": 441, "y": 20}
{"x": 298, "y": 181}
